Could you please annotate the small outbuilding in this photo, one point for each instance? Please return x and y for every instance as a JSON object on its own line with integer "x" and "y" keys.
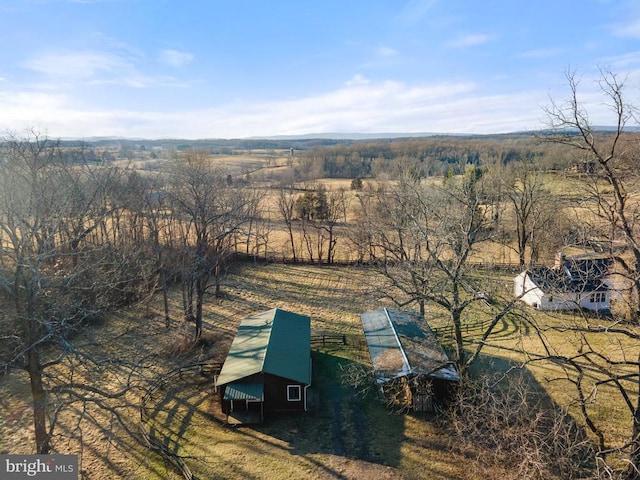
{"x": 268, "y": 367}
{"x": 409, "y": 364}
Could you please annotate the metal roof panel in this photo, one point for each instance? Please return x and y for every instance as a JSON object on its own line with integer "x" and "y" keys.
{"x": 276, "y": 342}
{"x": 252, "y": 391}
{"x": 401, "y": 343}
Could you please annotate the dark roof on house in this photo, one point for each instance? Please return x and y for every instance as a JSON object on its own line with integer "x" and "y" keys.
{"x": 587, "y": 266}
{"x": 401, "y": 343}
{"x": 276, "y": 342}
{"x": 581, "y": 273}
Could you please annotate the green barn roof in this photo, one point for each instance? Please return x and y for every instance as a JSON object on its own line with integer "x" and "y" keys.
{"x": 276, "y": 342}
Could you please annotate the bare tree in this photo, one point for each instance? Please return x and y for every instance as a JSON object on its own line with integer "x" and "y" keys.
{"x": 286, "y": 207}
{"x": 337, "y": 205}
{"x": 313, "y": 212}
{"x": 510, "y": 425}
{"x": 256, "y": 232}
{"x": 147, "y": 201}
{"x": 361, "y": 232}
{"x": 612, "y": 203}
{"x": 422, "y": 237}
{"x": 212, "y": 211}
{"x": 610, "y": 194}
{"x": 534, "y": 208}
{"x": 53, "y": 277}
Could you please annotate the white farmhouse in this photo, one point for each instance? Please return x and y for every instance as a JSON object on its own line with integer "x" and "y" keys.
{"x": 575, "y": 283}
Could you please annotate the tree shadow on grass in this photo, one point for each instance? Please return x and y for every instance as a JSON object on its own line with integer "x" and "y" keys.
{"x": 522, "y": 428}
{"x": 338, "y": 434}
{"x": 339, "y": 422}
{"x": 343, "y": 435}
{"x": 361, "y": 428}
{"x": 350, "y": 435}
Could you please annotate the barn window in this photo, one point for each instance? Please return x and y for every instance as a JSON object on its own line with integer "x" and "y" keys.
{"x": 598, "y": 297}
{"x": 294, "y": 393}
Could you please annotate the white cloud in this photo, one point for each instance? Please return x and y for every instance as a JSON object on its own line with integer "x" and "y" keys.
{"x": 627, "y": 64}
{"x": 80, "y": 66}
{"x": 88, "y": 67}
{"x": 414, "y": 10}
{"x": 29, "y": 108}
{"x": 175, "y": 58}
{"x": 357, "y": 79}
{"x": 542, "y": 53}
{"x": 628, "y": 25}
{"x": 387, "y": 52}
{"x": 62, "y": 69}
{"x": 382, "y": 107}
{"x": 468, "y": 40}
{"x": 628, "y": 29}
{"x": 361, "y": 105}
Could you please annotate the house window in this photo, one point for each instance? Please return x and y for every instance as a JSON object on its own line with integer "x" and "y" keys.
{"x": 597, "y": 297}
{"x": 294, "y": 394}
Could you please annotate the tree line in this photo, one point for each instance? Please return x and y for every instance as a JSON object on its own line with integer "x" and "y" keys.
{"x": 430, "y": 156}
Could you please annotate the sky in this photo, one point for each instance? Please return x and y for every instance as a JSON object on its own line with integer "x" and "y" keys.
{"x": 249, "y": 68}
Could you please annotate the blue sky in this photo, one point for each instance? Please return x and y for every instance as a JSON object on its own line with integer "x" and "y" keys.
{"x": 241, "y": 68}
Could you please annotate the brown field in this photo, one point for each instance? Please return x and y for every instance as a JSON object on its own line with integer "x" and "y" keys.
{"x": 270, "y": 169}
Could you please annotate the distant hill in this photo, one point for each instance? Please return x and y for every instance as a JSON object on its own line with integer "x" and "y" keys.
{"x": 308, "y": 140}
{"x": 302, "y": 142}
{"x": 349, "y": 136}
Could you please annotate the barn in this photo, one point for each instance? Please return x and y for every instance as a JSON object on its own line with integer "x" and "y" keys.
{"x": 268, "y": 367}
{"x": 409, "y": 364}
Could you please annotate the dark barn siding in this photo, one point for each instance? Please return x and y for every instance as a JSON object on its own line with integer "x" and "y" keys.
{"x": 275, "y": 395}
